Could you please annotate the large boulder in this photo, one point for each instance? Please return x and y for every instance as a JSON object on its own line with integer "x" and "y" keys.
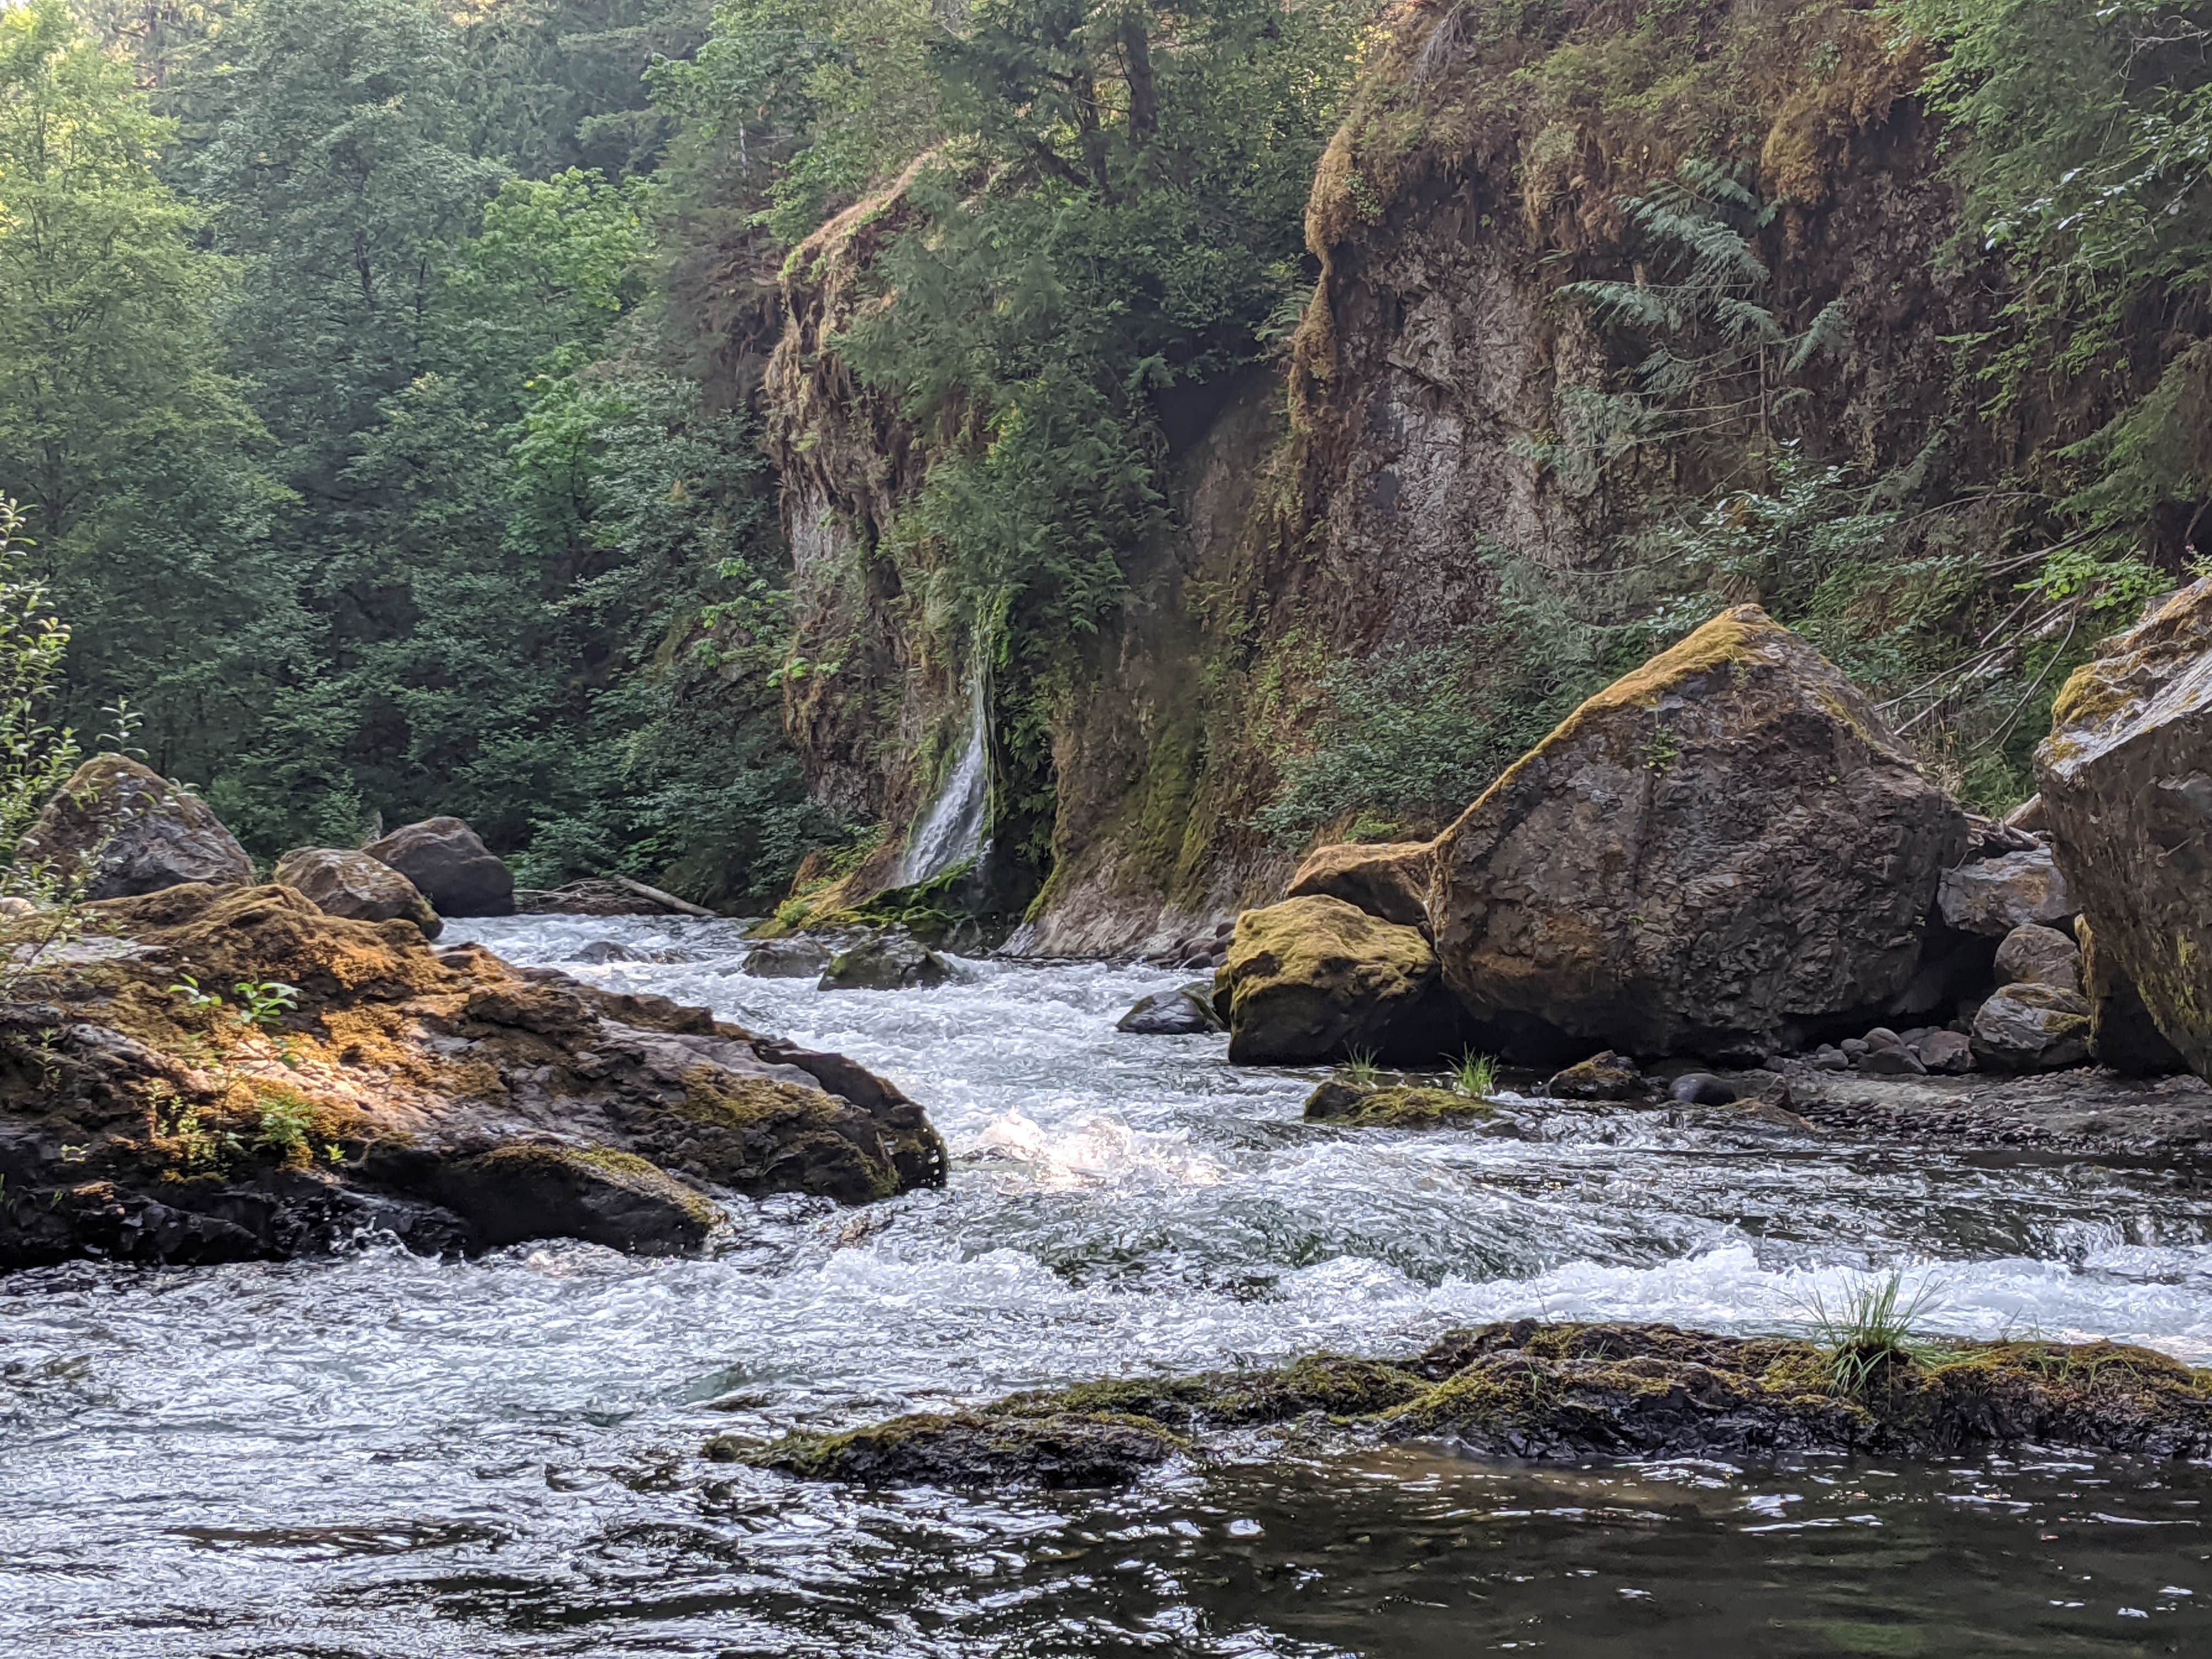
{"x": 890, "y": 962}
{"x": 2125, "y": 778}
{"x": 1315, "y": 978}
{"x": 451, "y": 867}
{"x": 1187, "y": 1011}
{"x": 1995, "y": 895}
{"x": 1392, "y": 880}
{"x": 2039, "y": 955}
{"x": 1721, "y": 853}
{"x": 343, "y": 882}
{"x": 129, "y": 831}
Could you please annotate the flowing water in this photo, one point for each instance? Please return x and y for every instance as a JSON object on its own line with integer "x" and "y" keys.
{"x": 950, "y": 834}
{"x": 382, "y": 1456}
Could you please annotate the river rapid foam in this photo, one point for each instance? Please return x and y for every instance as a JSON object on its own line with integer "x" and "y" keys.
{"x": 383, "y": 1454}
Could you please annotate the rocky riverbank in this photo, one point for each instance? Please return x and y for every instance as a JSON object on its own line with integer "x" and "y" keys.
{"x": 1555, "y": 1392}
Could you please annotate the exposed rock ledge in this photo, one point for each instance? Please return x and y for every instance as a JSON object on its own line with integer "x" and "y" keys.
{"x": 1555, "y": 1392}
{"x": 441, "y": 1096}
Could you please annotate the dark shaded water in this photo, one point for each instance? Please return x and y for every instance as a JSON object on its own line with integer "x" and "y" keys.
{"x": 381, "y": 1456}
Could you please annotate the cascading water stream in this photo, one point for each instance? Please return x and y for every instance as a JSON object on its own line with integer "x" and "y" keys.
{"x": 950, "y": 834}
{"x": 383, "y": 1456}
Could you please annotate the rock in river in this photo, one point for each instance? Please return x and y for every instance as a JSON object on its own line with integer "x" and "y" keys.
{"x": 890, "y": 962}
{"x": 442, "y": 1097}
{"x": 2125, "y": 778}
{"x": 451, "y": 867}
{"x": 342, "y": 883}
{"x": 1720, "y": 854}
{"x": 1392, "y": 880}
{"x": 142, "y": 833}
{"x": 1187, "y": 1011}
{"x": 1314, "y": 979}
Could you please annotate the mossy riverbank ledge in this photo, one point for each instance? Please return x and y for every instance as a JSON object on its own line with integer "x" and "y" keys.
{"x": 1551, "y": 1393}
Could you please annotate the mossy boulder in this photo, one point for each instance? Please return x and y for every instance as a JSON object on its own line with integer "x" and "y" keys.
{"x": 2122, "y": 1033}
{"x": 1390, "y": 880}
{"x": 441, "y": 1097}
{"x": 2125, "y": 778}
{"x": 1721, "y": 853}
{"x": 1316, "y": 979}
{"x": 343, "y": 882}
{"x": 1399, "y": 1107}
{"x": 1604, "y": 1076}
{"x": 1560, "y": 1392}
{"x": 889, "y": 961}
{"x": 125, "y": 829}
{"x": 1187, "y": 1011}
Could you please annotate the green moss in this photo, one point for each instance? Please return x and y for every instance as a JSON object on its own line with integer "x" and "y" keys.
{"x": 1399, "y": 1107}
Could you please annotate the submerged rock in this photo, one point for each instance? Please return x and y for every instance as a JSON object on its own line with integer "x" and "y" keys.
{"x": 1996, "y": 896}
{"x": 342, "y": 883}
{"x": 441, "y": 1097}
{"x": 137, "y": 832}
{"x": 1391, "y": 880}
{"x": 2032, "y": 1028}
{"x": 890, "y": 962}
{"x": 1561, "y": 1393}
{"x": 1187, "y": 1011}
{"x": 1603, "y": 1076}
{"x": 1398, "y": 1107}
{"x": 1316, "y": 979}
{"x": 451, "y": 866}
{"x": 1716, "y": 855}
{"x": 786, "y": 958}
{"x": 2125, "y": 779}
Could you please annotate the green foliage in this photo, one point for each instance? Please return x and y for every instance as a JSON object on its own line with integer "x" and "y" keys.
{"x": 1873, "y": 1325}
{"x": 1475, "y": 1076}
{"x": 35, "y": 758}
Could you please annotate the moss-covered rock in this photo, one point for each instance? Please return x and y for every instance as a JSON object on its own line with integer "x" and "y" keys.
{"x": 443, "y": 1097}
{"x": 1717, "y": 853}
{"x": 125, "y": 829}
{"x": 1401, "y": 1106}
{"x": 1567, "y": 1393}
{"x": 2125, "y": 778}
{"x": 1389, "y": 880}
{"x": 1314, "y": 979}
{"x": 342, "y": 883}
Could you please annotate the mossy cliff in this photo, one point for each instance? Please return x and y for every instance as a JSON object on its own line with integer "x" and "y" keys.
{"x": 441, "y": 1097}
{"x": 1564, "y": 1393}
{"x": 1468, "y": 452}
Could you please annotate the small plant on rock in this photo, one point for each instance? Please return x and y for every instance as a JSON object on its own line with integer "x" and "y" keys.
{"x": 1360, "y": 1068}
{"x": 1873, "y": 1325}
{"x": 1475, "y": 1076}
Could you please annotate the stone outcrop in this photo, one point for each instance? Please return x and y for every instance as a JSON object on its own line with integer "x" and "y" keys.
{"x": 127, "y": 830}
{"x": 451, "y": 867}
{"x": 1993, "y": 896}
{"x": 1604, "y": 1076}
{"x": 341, "y": 882}
{"x": 1316, "y": 979}
{"x": 443, "y": 1097}
{"x": 1726, "y": 850}
{"x": 1392, "y": 881}
{"x": 786, "y": 958}
{"x": 2125, "y": 778}
{"x": 1560, "y": 1392}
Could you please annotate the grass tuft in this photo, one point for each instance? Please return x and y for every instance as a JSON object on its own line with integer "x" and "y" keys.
{"x": 1475, "y": 1076}
{"x": 1874, "y": 1324}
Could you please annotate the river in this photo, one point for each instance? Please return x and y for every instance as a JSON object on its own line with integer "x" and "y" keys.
{"x": 381, "y": 1456}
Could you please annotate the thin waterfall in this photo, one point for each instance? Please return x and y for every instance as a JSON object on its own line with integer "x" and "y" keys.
{"x": 950, "y": 834}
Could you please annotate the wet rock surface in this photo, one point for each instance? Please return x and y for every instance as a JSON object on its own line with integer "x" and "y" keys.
{"x": 787, "y": 958}
{"x": 451, "y": 867}
{"x": 1603, "y": 1076}
{"x": 444, "y": 1097}
{"x": 1187, "y": 1011}
{"x": 1560, "y": 1392}
{"x": 2125, "y": 780}
{"x": 1396, "y": 1106}
{"x": 890, "y": 962}
{"x": 342, "y": 883}
{"x": 127, "y": 830}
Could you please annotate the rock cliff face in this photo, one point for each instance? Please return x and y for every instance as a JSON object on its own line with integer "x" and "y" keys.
{"x": 1446, "y": 425}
